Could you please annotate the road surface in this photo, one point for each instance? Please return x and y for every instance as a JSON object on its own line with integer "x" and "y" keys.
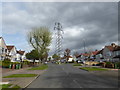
{"x": 67, "y": 76}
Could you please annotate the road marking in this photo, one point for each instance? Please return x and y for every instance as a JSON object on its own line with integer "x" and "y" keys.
{"x": 76, "y": 83}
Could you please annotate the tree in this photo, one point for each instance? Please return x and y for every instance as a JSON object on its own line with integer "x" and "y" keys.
{"x": 67, "y": 53}
{"x": 55, "y": 56}
{"x": 32, "y": 55}
{"x": 40, "y": 38}
{"x": 49, "y": 58}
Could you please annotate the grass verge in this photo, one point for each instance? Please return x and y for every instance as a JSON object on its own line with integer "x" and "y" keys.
{"x": 20, "y": 75}
{"x": 16, "y": 86}
{"x": 42, "y": 67}
{"x": 78, "y": 64}
{"x": 93, "y": 69}
{"x": 5, "y": 85}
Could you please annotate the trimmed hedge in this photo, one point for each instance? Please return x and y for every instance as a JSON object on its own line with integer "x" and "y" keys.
{"x": 6, "y": 63}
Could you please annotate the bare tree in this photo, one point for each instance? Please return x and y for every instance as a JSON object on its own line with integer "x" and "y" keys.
{"x": 67, "y": 53}
{"x": 40, "y": 38}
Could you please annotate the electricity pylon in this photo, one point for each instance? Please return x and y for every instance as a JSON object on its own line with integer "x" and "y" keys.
{"x": 59, "y": 37}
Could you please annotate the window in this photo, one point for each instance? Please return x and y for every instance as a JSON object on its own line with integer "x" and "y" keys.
{"x": 118, "y": 52}
{"x": 5, "y": 50}
{"x": 2, "y": 50}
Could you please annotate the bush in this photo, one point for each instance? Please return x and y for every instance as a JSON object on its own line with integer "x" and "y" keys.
{"x": 7, "y": 60}
{"x": 26, "y": 62}
{"x": 0, "y": 63}
{"x": 6, "y": 63}
{"x": 117, "y": 65}
{"x": 109, "y": 65}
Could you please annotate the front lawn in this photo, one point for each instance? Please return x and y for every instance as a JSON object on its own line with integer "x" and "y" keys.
{"x": 5, "y": 85}
{"x": 93, "y": 69}
{"x": 41, "y": 67}
{"x": 78, "y": 64}
{"x": 20, "y": 75}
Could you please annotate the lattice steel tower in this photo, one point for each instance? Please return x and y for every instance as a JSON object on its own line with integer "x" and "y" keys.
{"x": 59, "y": 37}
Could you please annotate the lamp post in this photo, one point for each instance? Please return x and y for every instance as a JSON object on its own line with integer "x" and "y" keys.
{"x": 84, "y": 49}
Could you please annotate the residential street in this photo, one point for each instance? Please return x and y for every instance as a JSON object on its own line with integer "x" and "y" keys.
{"x": 67, "y": 76}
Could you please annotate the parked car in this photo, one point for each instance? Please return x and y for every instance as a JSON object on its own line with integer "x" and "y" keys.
{"x": 63, "y": 60}
{"x": 45, "y": 62}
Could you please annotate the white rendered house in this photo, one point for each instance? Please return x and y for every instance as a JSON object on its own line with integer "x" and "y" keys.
{"x": 12, "y": 52}
{"x": 3, "y": 49}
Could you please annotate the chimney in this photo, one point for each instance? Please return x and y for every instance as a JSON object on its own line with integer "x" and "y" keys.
{"x": 113, "y": 45}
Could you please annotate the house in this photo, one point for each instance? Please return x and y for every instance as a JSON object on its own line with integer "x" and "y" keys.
{"x": 93, "y": 55}
{"x": 70, "y": 59}
{"x": 20, "y": 56}
{"x": 12, "y": 53}
{"x": 108, "y": 52}
{"x": 3, "y": 49}
{"x": 85, "y": 56}
{"x": 116, "y": 54}
{"x": 78, "y": 57}
{"x": 99, "y": 56}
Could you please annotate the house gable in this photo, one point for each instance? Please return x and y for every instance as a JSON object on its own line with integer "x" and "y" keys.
{"x": 2, "y": 43}
{"x": 12, "y": 50}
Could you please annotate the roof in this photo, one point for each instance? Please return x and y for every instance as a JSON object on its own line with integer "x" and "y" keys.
{"x": 10, "y": 47}
{"x": 117, "y": 48}
{"x": 110, "y": 48}
{"x": 69, "y": 56}
{"x": 95, "y": 52}
{"x": 21, "y": 52}
{"x": 85, "y": 54}
{"x": 78, "y": 56}
{"x": 0, "y": 37}
{"x": 99, "y": 52}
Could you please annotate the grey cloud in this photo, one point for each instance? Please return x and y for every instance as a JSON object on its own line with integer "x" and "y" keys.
{"x": 99, "y": 21}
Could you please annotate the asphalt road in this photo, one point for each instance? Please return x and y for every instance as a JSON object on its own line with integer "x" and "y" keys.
{"x": 67, "y": 76}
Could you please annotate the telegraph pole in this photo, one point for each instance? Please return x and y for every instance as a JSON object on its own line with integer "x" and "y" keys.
{"x": 59, "y": 37}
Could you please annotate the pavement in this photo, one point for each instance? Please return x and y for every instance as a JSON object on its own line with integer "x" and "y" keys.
{"x": 68, "y": 76}
{"x": 22, "y": 82}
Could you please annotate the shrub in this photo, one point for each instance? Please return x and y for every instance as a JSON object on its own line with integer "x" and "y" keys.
{"x": 0, "y": 63}
{"x": 108, "y": 65}
{"x": 117, "y": 64}
{"x": 6, "y": 63}
{"x": 7, "y": 60}
{"x": 26, "y": 62}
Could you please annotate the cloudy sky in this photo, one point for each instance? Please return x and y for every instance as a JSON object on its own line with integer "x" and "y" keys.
{"x": 95, "y": 23}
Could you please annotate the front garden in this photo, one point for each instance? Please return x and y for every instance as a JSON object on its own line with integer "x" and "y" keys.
{"x": 6, "y": 63}
{"x": 41, "y": 67}
{"x": 115, "y": 65}
{"x": 20, "y": 75}
{"x": 7, "y": 87}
